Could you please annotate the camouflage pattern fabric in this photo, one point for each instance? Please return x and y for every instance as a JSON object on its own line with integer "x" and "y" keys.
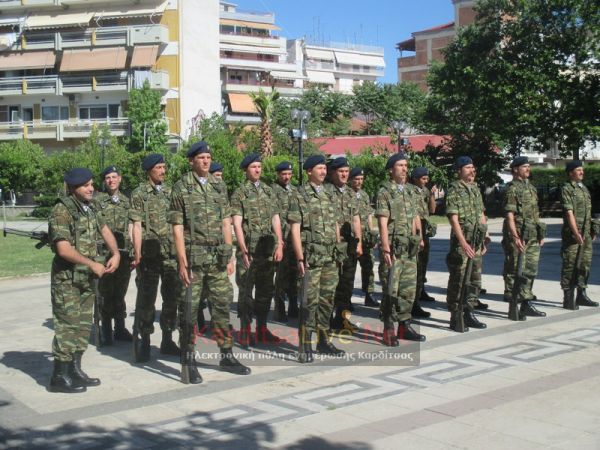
{"x": 208, "y": 257}
{"x": 521, "y": 199}
{"x": 113, "y": 286}
{"x": 72, "y": 291}
{"x": 257, "y": 205}
{"x": 397, "y": 202}
{"x": 366, "y": 259}
{"x": 422, "y": 198}
{"x": 149, "y": 206}
{"x": 287, "y": 270}
{"x": 576, "y": 197}
{"x": 315, "y": 210}
{"x": 466, "y": 202}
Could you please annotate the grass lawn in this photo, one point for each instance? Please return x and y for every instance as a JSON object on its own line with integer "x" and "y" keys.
{"x": 439, "y": 220}
{"x": 18, "y": 256}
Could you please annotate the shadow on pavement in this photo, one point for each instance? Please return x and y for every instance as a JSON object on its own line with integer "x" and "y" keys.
{"x": 37, "y": 365}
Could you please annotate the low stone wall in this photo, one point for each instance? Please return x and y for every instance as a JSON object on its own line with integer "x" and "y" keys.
{"x": 17, "y": 211}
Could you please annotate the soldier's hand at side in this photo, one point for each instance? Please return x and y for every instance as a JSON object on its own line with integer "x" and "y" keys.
{"x": 183, "y": 274}
{"x": 136, "y": 261}
{"x": 230, "y": 267}
{"x": 359, "y": 250}
{"x": 468, "y": 250}
{"x": 541, "y": 243}
{"x": 520, "y": 244}
{"x": 278, "y": 255}
{"x": 387, "y": 258}
{"x": 113, "y": 263}
{"x": 579, "y": 239}
{"x": 98, "y": 269}
{"x": 421, "y": 244}
{"x": 246, "y": 259}
{"x": 301, "y": 269}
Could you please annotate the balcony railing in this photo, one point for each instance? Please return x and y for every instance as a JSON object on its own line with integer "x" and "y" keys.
{"x": 61, "y": 129}
{"x": 319, "y": 65}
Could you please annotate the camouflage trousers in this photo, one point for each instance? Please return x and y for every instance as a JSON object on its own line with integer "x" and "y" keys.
{"x": 456, "y": 260}
{"x": 529, "y": 268}
{"x": 422, "y": 262}
{"x": 367, "y": 275}
{"x": 397, "y": 300}
{"x": 258, "y": 278}
{"x": 286, "y": 275}
{"x": 211, "y": 278}
{"x": 72, "y": 309}
{"x": 569, "y": 272}
{"x": 319, "y": 298}
{"x": 113, "y": 288}
{"x": 149, "y": 272}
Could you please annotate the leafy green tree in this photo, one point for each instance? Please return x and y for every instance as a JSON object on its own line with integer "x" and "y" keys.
{"x": 148, "y": 127}
{"x": 265, "y": 104}
{"x": 20, "y": 165}
{"x": 526, "y": 73}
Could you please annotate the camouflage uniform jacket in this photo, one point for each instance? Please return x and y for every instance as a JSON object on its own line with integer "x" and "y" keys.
{"x": 346, "y": 207}
{"x": 314, "y": 208}
{"x": 115, "y": 211}
{"x": 256, "y": 204}
{"x": 78, "y": 224}
{"x": 576, "y": 197}
{"x": 466, "y": 202}
{"x": 284, "y": 197}
{"x": 397, "y": 202}
{"x": 149, "y": 206}
{"x": 520, "y": 198}
{"x": 209, "y": 204}
{"x": 422, "y": 197}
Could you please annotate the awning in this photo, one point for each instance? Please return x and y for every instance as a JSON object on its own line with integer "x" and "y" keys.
{"x": 248, "y": 24}
{"x": 58, "y": 19}
{"x": 279, "y": 75}
{"x": 359, "y": 59}
{"x": 11, "y": 20}
{"x": 320, "y": 77}
{"x": 313, "y": 53}
{"x": 241, "y": 103}
{"x": 144, "y": 56}
{"x": 252, "y": 49}
{"x": 96, "y": 59}
{"x": 27, "y": 60}
{"x": 130, "y": 10}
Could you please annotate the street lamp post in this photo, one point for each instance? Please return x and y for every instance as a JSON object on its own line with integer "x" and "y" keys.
{"x": 103, "y": 142}
{"x": 299, "y": 134}
{"x": 400, "y": 127}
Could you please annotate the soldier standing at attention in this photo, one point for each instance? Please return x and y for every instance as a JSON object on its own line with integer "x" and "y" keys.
{"x": 74, "y": 232}
{"x": 286, "y": 276}
{"x": 578, "y": 232}
{"x": 114, "y": 207}
{"x": 351, "y": 233}
{"x": 400, "y": 232}
{"x": 154, "y": 259}
{"x": 465, "y": 211}
{"x": 315, "y": 235}
{"x": 201, "y": 222}
{"x": 522, "y": 238}
{"x": 257, "y": 228}
{"x": 426, "y": 206}
{"x": 369, "y": 235}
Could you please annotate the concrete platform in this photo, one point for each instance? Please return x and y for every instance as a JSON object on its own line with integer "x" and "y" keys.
{"x": 531, "y": 384}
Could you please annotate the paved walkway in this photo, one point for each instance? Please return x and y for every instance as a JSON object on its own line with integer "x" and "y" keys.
{"x": 530, "y": 384}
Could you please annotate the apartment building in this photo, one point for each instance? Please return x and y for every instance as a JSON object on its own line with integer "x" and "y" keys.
{"x": 336, "y": 65}
{"x": 68, "y": 66}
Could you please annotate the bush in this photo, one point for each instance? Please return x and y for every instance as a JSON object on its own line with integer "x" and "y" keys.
{"x": 20, "y": 165}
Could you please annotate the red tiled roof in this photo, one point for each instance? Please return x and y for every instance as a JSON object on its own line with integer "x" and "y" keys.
{"x": 355, "y": 144}
{"x": 436, "y": 28}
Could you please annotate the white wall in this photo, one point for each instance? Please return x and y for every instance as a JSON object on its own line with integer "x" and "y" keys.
{"x": 200, "y": 84}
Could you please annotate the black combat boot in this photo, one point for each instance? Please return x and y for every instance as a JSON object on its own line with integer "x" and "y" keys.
{"x": 279, "y": 314}
{"x": 293, "y": 307}
{"x": 305, "y": 355}
{"x": 514, "y": 313}
{"x": 201, "y": 321}
{"x": 167, "y": 345}
{"x": 389, "y": 333}
{"x": 569, "y": 300}
{"x": 583, "y": 299}
{"x": 370, "y": 301}
{"x": 528, "y": 309}
{"x": 471, "y": 320}
{"x": 325, "y": 347}
{"x": 457, "y": 322}
{"x": 341, "y": 321}
{"x": 122, "y": 333}
{"x": 425, "y": 297}
{"x": 78, "y": 376}
{"x": 480, "y": 305}
{"x": 418, "y": 312}
{"x": 107, "y": 333}
{"x": 407, "y": 333}
{"x": 229, "y": 364}
{"x": 189, "y": 369}
{"x": 142, "y": 348}
{"x": 61, "y": 380}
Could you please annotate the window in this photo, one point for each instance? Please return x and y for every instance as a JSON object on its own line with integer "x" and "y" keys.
{"x": 98, "y": 112}
{"x": 10, "y": 113}
{"x": 55, "y": 113}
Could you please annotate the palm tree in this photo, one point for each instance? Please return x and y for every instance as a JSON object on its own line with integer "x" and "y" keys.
{"x": 265, "y": 103}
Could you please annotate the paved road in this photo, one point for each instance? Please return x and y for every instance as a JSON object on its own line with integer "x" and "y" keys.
{"x": 530, "y": 384}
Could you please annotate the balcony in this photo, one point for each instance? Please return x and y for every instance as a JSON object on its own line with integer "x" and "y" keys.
{"x": 359, "y": 70}
{"x": 15, "y": 4}
{"x": 318, "y": 65}
{"x": 407, "y": 61}
{"x": 243, "y": 86}
{"x": 114, "y": 82}
{"x": 248, "y": 39}
{"x": 252, "y": 64}
{"x": 48, "y": 84}
{"x": 62, "y": 129}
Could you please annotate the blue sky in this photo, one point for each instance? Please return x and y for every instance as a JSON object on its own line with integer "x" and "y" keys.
{"x": 371, "y": 22}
